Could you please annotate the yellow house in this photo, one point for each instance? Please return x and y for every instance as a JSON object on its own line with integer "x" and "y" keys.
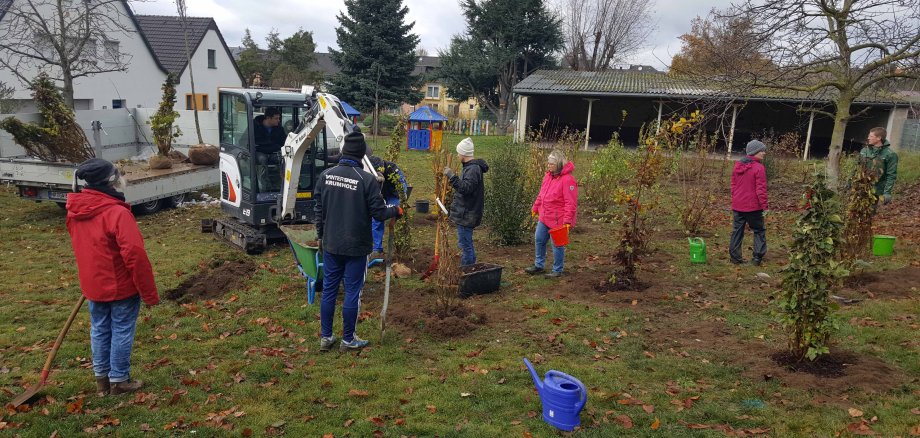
{"x": 436, "y": 97}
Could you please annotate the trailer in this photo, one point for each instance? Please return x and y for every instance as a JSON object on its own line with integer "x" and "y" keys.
{"x": 147, "y": 190}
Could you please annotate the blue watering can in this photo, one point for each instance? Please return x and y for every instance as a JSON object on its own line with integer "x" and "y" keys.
{"x": 563, "y": 397}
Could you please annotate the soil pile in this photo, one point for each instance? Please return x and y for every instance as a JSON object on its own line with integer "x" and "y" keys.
{"x": 213, "y": 281}
{"x": 895, "y": 284}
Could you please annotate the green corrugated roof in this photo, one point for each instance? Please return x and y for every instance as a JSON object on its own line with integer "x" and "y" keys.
{"x": 651, "y": 84}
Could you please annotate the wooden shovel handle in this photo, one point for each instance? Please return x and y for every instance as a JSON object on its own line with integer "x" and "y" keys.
{"x": 60, "y": 338}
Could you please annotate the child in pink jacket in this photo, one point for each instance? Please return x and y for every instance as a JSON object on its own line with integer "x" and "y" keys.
{"x": 555, "y": 206}
{"x": 749, "y": 203}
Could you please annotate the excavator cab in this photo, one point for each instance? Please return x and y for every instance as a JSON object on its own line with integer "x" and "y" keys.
{"x": 251, "y": 180}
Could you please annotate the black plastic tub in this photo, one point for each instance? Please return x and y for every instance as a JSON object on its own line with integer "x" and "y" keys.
{"x": 480, "y": 278}
{"x": 421, "y": 206}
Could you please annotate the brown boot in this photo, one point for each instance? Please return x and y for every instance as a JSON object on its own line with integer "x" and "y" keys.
{"x": 102, "y": 386}
{"x": 125, "y": 387}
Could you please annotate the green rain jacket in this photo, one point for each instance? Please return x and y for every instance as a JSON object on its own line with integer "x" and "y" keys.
{"x": 885, "y": 162}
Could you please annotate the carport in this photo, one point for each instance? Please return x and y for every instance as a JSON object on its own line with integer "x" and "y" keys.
{"x": 623, "y": 101}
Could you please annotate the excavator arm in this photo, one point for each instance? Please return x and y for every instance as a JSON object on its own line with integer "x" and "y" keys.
{"x": 323, "y": 113}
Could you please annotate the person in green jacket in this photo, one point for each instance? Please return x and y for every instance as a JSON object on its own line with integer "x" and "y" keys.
{"x": 883, "y": 160}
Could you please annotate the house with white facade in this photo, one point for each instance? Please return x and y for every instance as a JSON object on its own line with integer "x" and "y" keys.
{"x": 156, "y": 47}
{"x": 212, "y": 62}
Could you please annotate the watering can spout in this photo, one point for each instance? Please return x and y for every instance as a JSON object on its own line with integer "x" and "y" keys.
{"x": 534, "y": 376}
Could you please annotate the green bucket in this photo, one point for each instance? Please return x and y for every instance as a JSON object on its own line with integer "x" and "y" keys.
{"x": 882, "y": 245}
{"x": 697, "y": 250}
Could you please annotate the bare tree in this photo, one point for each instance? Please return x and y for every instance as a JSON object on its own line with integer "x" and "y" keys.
{"x": 600, "y": 33}
{"x": 68, "y": 39}
{"x": 180, "y": 5}
{"x": 837, "y": 50}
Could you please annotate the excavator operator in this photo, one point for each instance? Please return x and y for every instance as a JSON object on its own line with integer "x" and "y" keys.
{"x": 269, "y": 138}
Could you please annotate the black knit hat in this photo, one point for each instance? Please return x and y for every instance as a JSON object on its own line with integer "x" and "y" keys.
{"x": 97, "y": 172}
{"x": 354, "y": 146}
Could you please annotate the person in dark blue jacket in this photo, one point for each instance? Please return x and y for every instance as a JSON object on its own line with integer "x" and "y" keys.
{"x": 346, "y": 198}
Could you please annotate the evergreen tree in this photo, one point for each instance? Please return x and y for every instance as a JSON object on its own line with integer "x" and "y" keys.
{"x": 376, "y": 55}
{"x": 506, "y": 40}
{"x": 250, "y": 61}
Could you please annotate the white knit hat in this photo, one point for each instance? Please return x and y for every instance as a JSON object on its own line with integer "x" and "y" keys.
{"x": 465, "y": 147}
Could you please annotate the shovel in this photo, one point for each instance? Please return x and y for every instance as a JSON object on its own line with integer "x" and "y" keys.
{"x": 47, "y": 368}
{"x": 386, "y": 287}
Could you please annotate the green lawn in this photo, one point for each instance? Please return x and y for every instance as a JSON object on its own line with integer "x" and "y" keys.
{"x": 685, "y": 356}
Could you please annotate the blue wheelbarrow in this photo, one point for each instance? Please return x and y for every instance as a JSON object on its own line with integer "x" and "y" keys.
{"x": 307, "y": 255}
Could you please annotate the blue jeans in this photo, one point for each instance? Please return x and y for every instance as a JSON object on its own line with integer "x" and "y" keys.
{"x": 541, "y": 237}
{"x": 377, "y": 226}
{"x": 465, "y": 242}
{"x": 337, "y": 268}
{"x": 111, "y": 336}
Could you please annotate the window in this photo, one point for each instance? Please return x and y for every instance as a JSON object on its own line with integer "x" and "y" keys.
{"x": 452, "y": 110}
{"x": 118, "y": 103}
{"x": 200, "y": 99}
{"x": 434, "y": 106}
{"x": 235, "y": 120}
{"x": 112, "y": 53}
{"x": 434, "y": 92}
{"x": 89, "y": 48}
{"x": 212, "y": 58}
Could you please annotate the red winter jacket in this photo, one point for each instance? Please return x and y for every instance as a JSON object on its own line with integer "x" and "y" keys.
{"x": 109, "y": 249}
{"x": 557, "y": 203}
{"x": 749, "y": 185}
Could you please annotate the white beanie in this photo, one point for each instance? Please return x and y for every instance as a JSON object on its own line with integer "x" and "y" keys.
{"x": 465, "y": 147}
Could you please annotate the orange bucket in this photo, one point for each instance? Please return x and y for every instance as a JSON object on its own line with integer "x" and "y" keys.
{"x": 560, "y": 236}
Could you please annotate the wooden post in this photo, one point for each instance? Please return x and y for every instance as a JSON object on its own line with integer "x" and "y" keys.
{"x": 731, "y": 131}
{"x": 588, "y": 128}
{"x": 811, "y": 122}
{"x": 660, "y": 105}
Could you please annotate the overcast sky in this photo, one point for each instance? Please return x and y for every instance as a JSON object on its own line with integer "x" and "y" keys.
{"x": 435, "y": 21}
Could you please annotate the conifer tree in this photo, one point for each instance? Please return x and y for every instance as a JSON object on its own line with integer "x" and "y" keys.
{"x": 376, "y": 55}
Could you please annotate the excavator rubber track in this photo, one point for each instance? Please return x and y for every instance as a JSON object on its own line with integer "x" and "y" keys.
{"x": 236, "y": 234}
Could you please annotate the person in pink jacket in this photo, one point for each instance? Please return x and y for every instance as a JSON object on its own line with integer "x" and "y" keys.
{"x": 555, "y": 206}
{"x": 749, "y": 202}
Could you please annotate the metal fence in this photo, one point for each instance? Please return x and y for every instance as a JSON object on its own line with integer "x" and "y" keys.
{"x": 910, "y": 135}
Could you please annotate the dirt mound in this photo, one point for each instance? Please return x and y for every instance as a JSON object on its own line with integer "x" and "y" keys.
{"x": 899, "y": 283}
{"x": 833, "y": 376}
{"x": 213, "y": 281}
{"x": 456, "y": 321}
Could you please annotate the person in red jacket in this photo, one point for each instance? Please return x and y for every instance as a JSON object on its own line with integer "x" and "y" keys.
{"x": 115, "y": 274}
{"x": 749, "y": 202}
{"x": 555, "y": 206}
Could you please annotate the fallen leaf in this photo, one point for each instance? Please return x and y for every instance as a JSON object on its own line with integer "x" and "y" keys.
{"x": 465, "y": 394}
{"x": 915, "y": 411}
{"x": 860, "y": 428}
{"x": 624, "y": 420}
{"x": 348, "y": 422}
{"x": 328, "y": 435}
{"x": 357, "y": 393}
{"x": 75, "y": 407}
{"x": 527, "y": 434}
{"x": 855, "y": 412}
{"x": 377, "y": 421}
{"x": 247, "y": 432}
{"x": 648, "y": 409}
{"x": 431, "y": 408}
{"x": 656, "y": 424}
{"x": 400, "y": 421}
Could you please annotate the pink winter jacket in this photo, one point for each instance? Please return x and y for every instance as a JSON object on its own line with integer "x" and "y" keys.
{"x": 557, "y": 202}
{"x": 749, "y": 186}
